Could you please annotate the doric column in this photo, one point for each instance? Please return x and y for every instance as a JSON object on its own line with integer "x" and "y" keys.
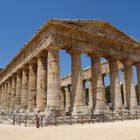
{"x": 41, "y": 82}
{"x": 124, "y": 89}
{"x": 68, "y": 99}
{"x": 115, "y": 90}
{"x": 84, "y": 92}
{"x": 130, "y": 87}
{"x": 62, "y": 99}
{"x": 13, "y": 93}
{"x": 5, "y": 96}
{"x": 97, "y": 84}
{"x": 90, "y": 93}
{"x": 18, "y": 90}
{"x": 0, "y": 96}
{"x": 24, "y": 91}
{"x": 103, "y": 76}
{"x": 53, "y": 81}
{"x": 8, "y": 97}
{"x": 77, "y": 81}
{"x": 32, "y": 89}
{"x": 138, "y": 79}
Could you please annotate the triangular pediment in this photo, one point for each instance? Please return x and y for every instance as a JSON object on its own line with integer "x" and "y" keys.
{"x": 98, "y": 27}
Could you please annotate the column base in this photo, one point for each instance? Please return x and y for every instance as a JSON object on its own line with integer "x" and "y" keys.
{"x": 81, "y": 110}
{"x": 134, "y": 109}
{"x": 99, "y": 110}
{"x": 22, "y": 110}
{"x": 50, "y": 113}
{"x": 67, "y": 109}
{"x": 119, "y": 109}
{"x": 2, "y": 110}
{"x": 30, "y": 110}
{"x": 17, "y": 108}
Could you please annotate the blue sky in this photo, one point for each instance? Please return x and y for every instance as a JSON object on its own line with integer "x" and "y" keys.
{"x": 19, "y": 19}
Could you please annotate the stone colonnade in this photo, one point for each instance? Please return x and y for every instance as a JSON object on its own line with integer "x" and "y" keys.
{"x": 34, "y": 87}
{"x": 96, "y": 87}
{"x": 37, "y": 86}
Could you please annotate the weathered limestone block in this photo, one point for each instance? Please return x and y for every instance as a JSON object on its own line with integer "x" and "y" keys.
{"x": 18, "y": 91}
{"x": 32, "y": 87}
{"x": 130, "y": 87}
{"x": 99, "y": 100}
{"x": 53, "y": 79}
{"x": 68, "y": 99}
{"x": 13, "y": 93}
{"x": 24, "y": 91}
{"x": 115, "y": 90}
{"x": 41, "y": 82}
{"x": 124, "y": 89}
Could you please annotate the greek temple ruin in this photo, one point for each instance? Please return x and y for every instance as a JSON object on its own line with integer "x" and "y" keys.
{"x": 31, "y": 81}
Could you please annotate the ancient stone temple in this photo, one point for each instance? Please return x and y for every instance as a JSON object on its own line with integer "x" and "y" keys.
{"x": 31, "y": 81}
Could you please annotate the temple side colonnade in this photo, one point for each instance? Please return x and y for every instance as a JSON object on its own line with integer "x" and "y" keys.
{"x": 31, "y": 81}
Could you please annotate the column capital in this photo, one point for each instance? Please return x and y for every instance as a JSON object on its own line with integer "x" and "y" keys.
{"x": 19, "y": 71}
{"x": 90, "y": 79}
{"x": 9, "y": 80}
{"x": 53, "y": 47}
{"x": 112, "y": 59}
{"x": 67, "y": 86}
{"x": 62, "y": 88}
{"x": 137, "y": 64}
{"x": 25, "y": 67}
{"x": 43, "y": 54}
{"x": 33, "y": 61}
{"x": 73, "y": 51}
{"x": 127, "y": 63}
{"x": 94, "y": 55}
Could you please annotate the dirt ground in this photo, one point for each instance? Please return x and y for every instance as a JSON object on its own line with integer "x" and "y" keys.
{"x": 127, "y": 130}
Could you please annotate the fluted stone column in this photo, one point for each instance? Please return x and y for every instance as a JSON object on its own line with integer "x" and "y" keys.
{"x": 5, "y": 96}
{"x": 84, "y": 92}
{"x": 130, "y": 87}
{"x": 62, "y": 99}
{"x": 99, "y": 101}
{"x": 90, "y": 92}
{"x": 68, "y": 99}
{"x": 0, "y": 95}
{"x": 32, "y": 88}
{"x": 53, "y": 81}
{"x": 138, "y": 79}
{"x": 77, "y": 81}
{"x": 8, "y": 95}
{"x": 18, "y": 91}
{"x": 13, "y": 93}
{"x": 2, "y": 99}
{"x": 115, "y": 89}
{"x": 24, "y": 91}
{"x": 103, "y": 76}
{"x": 41, "y": 83}
{"x": 124, "y": 89}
